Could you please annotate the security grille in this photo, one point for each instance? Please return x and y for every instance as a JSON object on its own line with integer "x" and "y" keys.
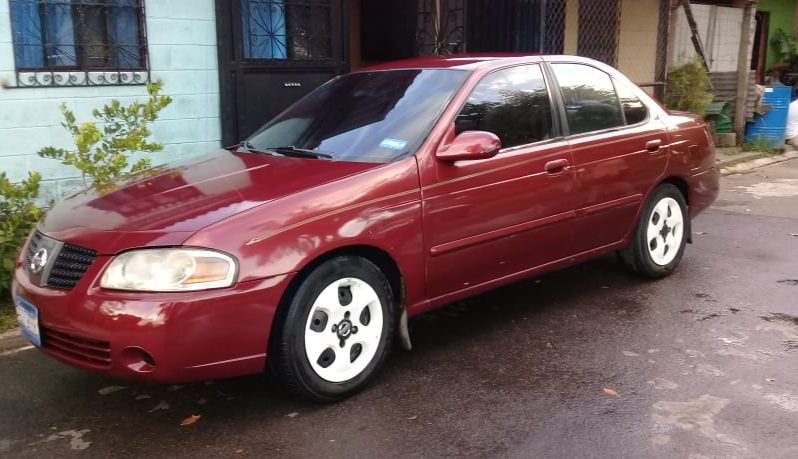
{"x": 441, "y": 26}
{"x": 298, "y": 30}
{"x": 78, "y": 42}
{"x": 629, "y": 35}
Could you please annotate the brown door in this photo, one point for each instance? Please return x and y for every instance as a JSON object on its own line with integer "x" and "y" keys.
{"x": 273, "y": 52}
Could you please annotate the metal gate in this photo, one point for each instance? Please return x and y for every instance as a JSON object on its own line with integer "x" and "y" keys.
{"x": 590, "y": 28}
{"x": 271, "y": 53}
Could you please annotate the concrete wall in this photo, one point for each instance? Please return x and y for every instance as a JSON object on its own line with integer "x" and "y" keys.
{"x": 637, "y": 37}
{"x": 571, "y": 39}
{"x": 637, "y": 41}
{"x": 182, "y": 47}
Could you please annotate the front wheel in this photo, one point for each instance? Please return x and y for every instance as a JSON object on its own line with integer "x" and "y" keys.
{"x": 336, "y": 333}
{"x": 658, "y": 243}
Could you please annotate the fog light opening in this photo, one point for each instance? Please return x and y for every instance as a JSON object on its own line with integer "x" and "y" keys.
{"x": 138, "y": 360}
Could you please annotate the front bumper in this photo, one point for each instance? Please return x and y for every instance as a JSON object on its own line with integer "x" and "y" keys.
{"x": 161, "y": 337}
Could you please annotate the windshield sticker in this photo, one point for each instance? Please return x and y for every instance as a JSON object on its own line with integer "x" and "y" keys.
{"x": 393, "y": 144}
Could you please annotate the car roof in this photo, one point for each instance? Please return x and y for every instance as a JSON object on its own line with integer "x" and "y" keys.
{"x": 471, "y": 62}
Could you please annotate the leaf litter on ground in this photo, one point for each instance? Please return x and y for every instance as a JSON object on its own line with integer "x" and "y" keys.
{"x": 191, "y": 420}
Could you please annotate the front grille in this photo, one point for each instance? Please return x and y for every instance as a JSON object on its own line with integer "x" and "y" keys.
{"x": 65, "y": 271}
{"x": 91, "y": 351}
{"x": 70, "y": 265}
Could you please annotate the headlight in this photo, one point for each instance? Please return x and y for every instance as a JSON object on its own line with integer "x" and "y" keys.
{"x": 169, "y": 270}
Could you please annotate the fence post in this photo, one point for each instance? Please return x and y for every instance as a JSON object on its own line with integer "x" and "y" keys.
{"x": 743, "y": 69}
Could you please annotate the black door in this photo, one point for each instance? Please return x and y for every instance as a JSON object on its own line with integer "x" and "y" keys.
{"x": 271, "y": 53}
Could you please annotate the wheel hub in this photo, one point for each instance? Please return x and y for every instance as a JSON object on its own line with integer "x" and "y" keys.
{"x": 344, "y": 329}
{"x": 665, "y": 230}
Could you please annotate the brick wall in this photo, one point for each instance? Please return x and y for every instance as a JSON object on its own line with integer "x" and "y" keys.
{"x": 181, "y": 39}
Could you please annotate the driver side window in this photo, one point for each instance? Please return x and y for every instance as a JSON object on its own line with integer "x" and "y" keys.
{"x": 512, "y": 103}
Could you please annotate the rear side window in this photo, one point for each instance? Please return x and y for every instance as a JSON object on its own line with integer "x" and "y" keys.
{"x": 633, "y": 109}
{"x": 512, "y": 103}
{"x": 591, "y": 103}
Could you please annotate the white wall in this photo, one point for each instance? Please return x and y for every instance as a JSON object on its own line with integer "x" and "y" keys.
{"x": 181, "y": 38}
{"x": 719, "y": 29}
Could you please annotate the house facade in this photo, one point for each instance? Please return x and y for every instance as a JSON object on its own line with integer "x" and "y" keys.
{"x": 86, "y": 53}
{"x": 230, "y": 65}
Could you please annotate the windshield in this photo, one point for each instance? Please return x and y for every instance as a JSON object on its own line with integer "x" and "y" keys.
{"x": 367, "y": 117}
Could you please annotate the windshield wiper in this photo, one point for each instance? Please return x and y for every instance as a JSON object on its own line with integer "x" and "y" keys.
{"x": 288, "y": 150}
{"x": 291, "y": 150}
{"x": 252, "y": 149}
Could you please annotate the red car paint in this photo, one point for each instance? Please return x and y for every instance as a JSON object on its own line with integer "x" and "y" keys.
{"x": 452, "y": 229}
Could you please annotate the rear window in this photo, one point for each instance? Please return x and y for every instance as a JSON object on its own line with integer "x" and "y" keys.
{"x": 591, "y": 102}
{"x": 633, "y": 108}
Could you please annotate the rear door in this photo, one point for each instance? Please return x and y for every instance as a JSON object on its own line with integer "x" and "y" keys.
{"x": 488, "y": 219}
{"x": 619, "y": 151}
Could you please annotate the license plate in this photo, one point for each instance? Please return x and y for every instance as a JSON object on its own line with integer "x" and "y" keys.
{"x": 28, "y": 316}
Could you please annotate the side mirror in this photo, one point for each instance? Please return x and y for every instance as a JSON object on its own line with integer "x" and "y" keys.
{"x": 471, "y": 145}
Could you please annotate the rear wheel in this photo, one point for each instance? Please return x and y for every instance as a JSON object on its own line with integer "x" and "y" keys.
{"x": 658, "y": 243}
{"x": 337, "y": 331}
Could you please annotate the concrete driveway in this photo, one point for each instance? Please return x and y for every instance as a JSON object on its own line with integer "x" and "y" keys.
{"x": 585, "y": 362}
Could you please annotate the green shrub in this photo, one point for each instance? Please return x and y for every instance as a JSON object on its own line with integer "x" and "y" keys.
{"x": 689, "y": 89}
{"x": 785, "y": 47}
{"x": 102, "y": 147}
{"x": 18, "y": 216}
{"x": 102, "y": 154}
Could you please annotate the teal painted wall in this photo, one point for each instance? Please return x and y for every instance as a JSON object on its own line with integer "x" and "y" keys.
{"x": 181, "y": 38}
{"x": 782, "y": 16}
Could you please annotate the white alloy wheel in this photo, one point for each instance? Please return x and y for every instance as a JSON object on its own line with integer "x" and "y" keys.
{"x": 665, "y": 231}
{"x": 343, "y": 330}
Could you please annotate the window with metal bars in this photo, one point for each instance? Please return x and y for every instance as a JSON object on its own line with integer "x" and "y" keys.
{"x": 287, "y": 29}
{"x": 74, "y": 35}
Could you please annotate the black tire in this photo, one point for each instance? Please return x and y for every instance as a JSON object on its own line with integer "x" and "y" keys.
{"x": 636, "y": 256}
{"x": 289, "y": 361}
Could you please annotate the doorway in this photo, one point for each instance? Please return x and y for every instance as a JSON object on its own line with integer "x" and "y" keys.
{"x": 273, "y": 52}
{"x": 760, "y": 48}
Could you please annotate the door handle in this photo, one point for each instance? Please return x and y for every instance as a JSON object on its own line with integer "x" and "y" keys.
{"x": 557, "y": 166}
{"x": 653, "y": 146}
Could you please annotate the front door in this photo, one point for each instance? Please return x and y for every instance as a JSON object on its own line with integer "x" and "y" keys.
{"x": 489, "y": 219}
{"x": 273, "y": 52}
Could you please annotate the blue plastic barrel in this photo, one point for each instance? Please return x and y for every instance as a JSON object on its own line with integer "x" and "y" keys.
{"x": 772, "y": 126}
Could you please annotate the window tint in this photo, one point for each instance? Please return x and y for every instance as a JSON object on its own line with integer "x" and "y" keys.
{"x": 511, "y": 103}
{"x": 589, "y": 96}
{"x": 633, "y": 108}
{"x": 365, "y": 116}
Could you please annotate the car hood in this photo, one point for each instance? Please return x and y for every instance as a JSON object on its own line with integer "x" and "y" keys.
{"x": 166, "y": 204}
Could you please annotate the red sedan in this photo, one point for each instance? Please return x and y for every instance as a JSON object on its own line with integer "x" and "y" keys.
{"x": 381, "y": 195}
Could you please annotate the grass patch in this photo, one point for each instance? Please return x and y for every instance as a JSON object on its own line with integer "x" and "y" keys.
{"x": 761, "y": 146}
{"x": 8, "y": 317}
